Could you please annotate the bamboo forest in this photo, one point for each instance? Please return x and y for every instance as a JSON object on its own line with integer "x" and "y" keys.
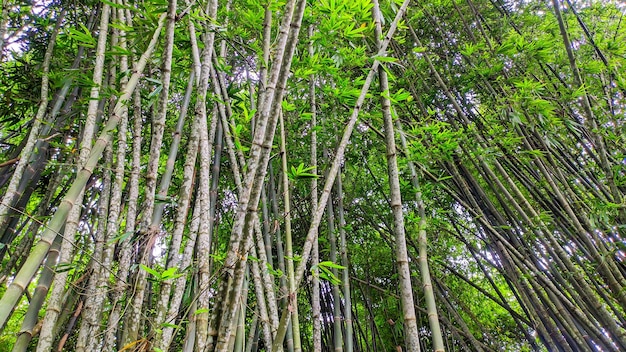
{"x": 312, "y": 175}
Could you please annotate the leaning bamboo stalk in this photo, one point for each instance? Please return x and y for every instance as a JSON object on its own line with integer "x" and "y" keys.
{"x": 280, "y": 251}
{"x": 561, "y": 258}
{"x": 32, "y": 314}
{"x": 261, "y": 305}
{"x": 23, "y": 277}
{"x": 332, "y": 173}
{"x": 241, "y": 234}
{"x": 591, "y": 119}
{"x": 47, "y": 275}
{"x": 238, "y": 341}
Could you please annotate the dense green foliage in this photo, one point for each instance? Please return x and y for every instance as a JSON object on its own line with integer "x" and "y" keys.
{"x": 513, "y": 114}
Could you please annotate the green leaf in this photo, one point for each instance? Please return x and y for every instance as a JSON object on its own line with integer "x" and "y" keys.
{"x": 331, "y": 265}
{"x": 151, "y": 271}
{"x": 120, "y": 238}
{"x": 170, "y": 273}
{"x": 301, "y": 172}
{"x": 385, "y": 58}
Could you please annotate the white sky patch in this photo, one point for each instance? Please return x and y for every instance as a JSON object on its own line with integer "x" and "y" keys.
{"x": 12, "y": 38}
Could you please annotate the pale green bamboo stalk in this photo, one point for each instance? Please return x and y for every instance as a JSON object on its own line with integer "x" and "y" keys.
{"x": 336, "y": 302}
{"x": 183, "y": 281}
{"x": 238, "y": 341}
{"x": 343, "y": 249}
{"x": 431, "y": 305}
{"x": 30, "y": 267}
{"x": 411, "y": 333}
{"x": 261, "y": 305}
{"x": 315, "y": 257}
{"x": 32, "y": 314}
{"x": 252, "y": 332}
{"x": 295, "y": 326}
{"x": 190, "y": 334}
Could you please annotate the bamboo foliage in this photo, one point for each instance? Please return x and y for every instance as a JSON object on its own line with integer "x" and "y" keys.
{"x": 203, "y": 176}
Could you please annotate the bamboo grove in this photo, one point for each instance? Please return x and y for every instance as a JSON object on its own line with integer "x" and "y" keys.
{"x": 328, "y": 175}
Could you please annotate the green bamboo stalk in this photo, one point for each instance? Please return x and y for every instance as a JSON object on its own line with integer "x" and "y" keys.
{"x": 261, "y": 305}
{"x": 32, "y": 314}
{"x": 343, "y": 250}
{"x": 315, "y": 282}
{"x": 423, "y": 250}
{"x": 288, "y": 239}
{"x": 336, "y": 301}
